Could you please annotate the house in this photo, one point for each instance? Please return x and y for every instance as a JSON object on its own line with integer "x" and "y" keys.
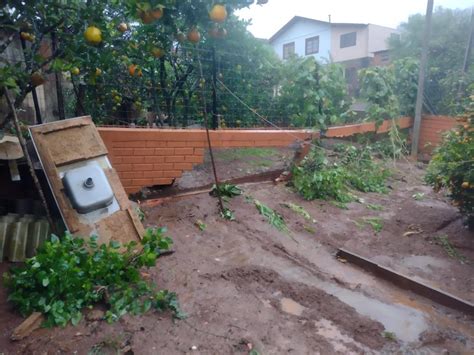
{"x": 356, "y": 45}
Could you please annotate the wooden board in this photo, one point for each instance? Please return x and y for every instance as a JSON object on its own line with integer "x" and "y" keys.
{"x": 62, "y": 143}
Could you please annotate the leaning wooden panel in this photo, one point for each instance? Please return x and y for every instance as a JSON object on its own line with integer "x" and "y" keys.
{"x": 86, "y": 188}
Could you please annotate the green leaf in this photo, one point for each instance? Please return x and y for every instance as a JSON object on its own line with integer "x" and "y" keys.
{"x": 45, "y": 282}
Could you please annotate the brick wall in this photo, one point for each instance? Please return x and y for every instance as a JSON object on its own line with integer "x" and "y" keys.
{"x": 147, "y": 157}
{"x": 432, "y": 129}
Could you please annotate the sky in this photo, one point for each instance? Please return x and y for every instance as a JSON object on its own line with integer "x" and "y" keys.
{"x": 269, "y": 18}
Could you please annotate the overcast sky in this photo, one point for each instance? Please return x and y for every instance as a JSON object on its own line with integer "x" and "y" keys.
{"x": 269, "y": 18}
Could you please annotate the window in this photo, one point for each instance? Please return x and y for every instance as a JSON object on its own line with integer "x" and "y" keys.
{"x": 288, "y": 50}
{"x": 312, "y": 45}
{"x": 348, "y": 39}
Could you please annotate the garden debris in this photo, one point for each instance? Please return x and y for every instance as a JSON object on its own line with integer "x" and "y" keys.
{"x": 275, "y": 219}
{"x": 28, "y": 326}
{"x": 300, "y": 210}
{"x": 226, "y": 190}
{"x": 95, "y": 314}
{"x": 413, "y": 229}
{"x": 200, "y": 224}
{"x": 418, "y": 196}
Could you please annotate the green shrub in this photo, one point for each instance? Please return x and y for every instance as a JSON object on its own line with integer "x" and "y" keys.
{"x": 319, "y": 178}
{"x": 452, "y": 165}
{"x": 70, "y": 274}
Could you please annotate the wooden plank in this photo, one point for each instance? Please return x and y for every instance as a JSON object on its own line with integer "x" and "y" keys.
{"x": 28, "y": 326}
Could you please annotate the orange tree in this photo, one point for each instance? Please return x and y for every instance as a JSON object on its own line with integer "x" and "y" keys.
{"x": 118, "y": 53}
{"x": 452, "y": 166}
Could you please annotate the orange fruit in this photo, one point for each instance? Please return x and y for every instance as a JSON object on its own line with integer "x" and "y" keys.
{"x": 146, "y": 17}
{"x": 157, "y": 13}
{"x": 131, "y": 69}
{"x": 75, "y": 71}
{"x": 180, "y": 37}
{"x": 37, "y": 79}
{"x": 139, "y": 73}
{"x": 98, "y": 72}
{"x": 218, "y": 13}
{"x": 158, "y": 52}
{"x": 93, "y": 35}
{"x": 465, "y": 185}
{"x": 27, "y": 36}
{"x": 122, "y": 27}
{"x": 194, "y": 36}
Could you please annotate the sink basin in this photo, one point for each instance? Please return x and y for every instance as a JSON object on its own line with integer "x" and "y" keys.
{"x": 88, "y": 188}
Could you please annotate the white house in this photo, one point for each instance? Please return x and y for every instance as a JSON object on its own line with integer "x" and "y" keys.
{"x": 354, "y": 44}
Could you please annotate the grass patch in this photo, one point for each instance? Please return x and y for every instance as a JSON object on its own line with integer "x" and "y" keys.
{"x": 250, "y": 152}
{"x": 375, "y": 222}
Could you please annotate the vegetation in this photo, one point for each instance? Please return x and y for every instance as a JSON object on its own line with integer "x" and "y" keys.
{"x": 450, "y": 250}
{"x": 452, "y": 165}
{"x": 446, "y": 86}
{"x": 226, "y": 190}
{"x": 312, "y": 94}
{"x": 70, "y": 274}
{"x": 273, "y": 217}
{"x": 318, "y": 177}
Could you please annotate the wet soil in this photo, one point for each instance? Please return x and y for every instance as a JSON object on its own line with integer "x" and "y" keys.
{"x": 246, "y": 285}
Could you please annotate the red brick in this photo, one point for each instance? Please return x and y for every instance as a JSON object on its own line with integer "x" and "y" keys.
{"x": 162, "y": 181}
{"x": 198, "y": 151}
{"x": 183, "y": 166}
{"x": 132, "y": 144}
{"x": 194, "y": 159}
{"x": 131, "y": 160}
{"x": 174, "y": 159}
{"x": 117, "y": 160}
{"x": 142, "y": 182}
{"x": 176, "y": 144}
{"x": 152, "y": 174}
{"x": 164, "y": 151}
{"x": 172, "y": 173}
{"x": 155, "y": 144}
{"x": 123, "y": 167}
{"x": 155, "y": 159}
{"x": 201, "y": 144}
{"x": 126, "y": 182}
{"x": 123, "y": 151}
{"x": 184, "y": 151}
{"x": 164, "y": 166}
{"x": 131, "y": 175}
{"x": 144, "y": 151}
{"x": 131, "y": 189}
{"x": 142, "y": 167}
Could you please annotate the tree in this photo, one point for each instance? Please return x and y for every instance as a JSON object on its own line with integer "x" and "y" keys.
{"x": 445, "y": 58}
{"x": 313, "y": 94}
{"x": 129, "y": 34}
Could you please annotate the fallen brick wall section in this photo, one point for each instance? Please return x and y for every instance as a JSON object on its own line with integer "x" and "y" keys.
{"x": 146, "y": 157}
{"x": 432, "y": 129}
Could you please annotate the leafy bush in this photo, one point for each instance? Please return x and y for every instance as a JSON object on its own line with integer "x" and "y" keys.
{"x": 452, "y": 165}
{"x": 226, "y": 190}
{"x": 319, "y": 178}
{"x": 70, "y": 274}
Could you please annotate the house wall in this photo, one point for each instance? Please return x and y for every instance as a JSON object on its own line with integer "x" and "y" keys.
{"x": 360, "y": 50}
{"x": 378, "y": 37}
{"x": 298, "y": 32}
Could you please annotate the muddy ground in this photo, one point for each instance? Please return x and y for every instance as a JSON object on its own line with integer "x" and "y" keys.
{"x": 246, "y": 285}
